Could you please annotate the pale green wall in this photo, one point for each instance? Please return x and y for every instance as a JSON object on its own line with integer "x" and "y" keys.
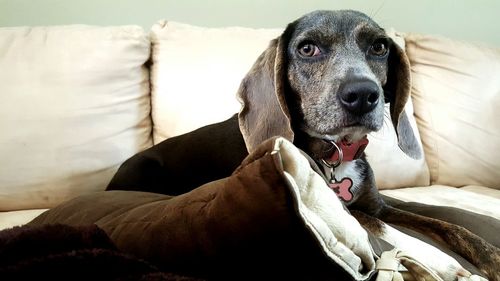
{"x": 462, "y": 19}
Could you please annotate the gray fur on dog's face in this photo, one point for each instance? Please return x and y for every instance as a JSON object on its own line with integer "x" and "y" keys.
{"x": 324, "y": 79}
{"x": 345, "y": 42}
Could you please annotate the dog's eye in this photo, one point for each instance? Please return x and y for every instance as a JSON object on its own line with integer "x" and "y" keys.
{"x": 379, "y": 48}
{"x": 309, "y": 50}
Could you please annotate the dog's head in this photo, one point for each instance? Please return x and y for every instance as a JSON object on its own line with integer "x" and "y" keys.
{"x": 326, "y": 78}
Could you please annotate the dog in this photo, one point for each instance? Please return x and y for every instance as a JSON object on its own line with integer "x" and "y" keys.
{"x": 322, "y": 84}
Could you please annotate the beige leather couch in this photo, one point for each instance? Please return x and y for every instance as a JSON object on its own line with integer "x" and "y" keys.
{"x": 76, "y": 101}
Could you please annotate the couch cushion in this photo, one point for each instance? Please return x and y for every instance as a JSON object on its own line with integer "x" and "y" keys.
{"x": 478, "y": 202}
{"x": 74, "y": 104}
{"x": 456, "y": 94}
{"x": 482, "y": 190}
{"x": 196, "y": 72}
{"x": 16, "y": 218}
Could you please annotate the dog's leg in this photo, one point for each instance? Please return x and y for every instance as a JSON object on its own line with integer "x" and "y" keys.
{"x": 476, "y": 250}
{"x": 442, "y": 264}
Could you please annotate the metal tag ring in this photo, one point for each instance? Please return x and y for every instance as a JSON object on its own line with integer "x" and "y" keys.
{"x": 338, "y": 162}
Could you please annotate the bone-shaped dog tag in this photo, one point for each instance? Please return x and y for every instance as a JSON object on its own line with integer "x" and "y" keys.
{"x": 342, "y": 188}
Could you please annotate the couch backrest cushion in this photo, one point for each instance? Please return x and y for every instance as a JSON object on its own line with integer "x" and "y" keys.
{"x": 196, "y": 72}
{"x": 456, "y": 94}
{"x": 74, "y": 104}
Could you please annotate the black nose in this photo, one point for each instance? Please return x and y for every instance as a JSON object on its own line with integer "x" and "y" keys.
{"x": 359, "y": 97}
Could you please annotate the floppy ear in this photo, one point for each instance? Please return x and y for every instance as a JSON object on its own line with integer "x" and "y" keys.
{"x": 397, "y": 90}
{"x": 264, "y": 113}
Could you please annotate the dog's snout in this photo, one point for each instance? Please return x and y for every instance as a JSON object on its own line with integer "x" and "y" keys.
{"x": 359, "y": 97}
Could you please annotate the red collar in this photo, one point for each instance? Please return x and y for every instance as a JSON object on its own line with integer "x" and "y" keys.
{"x": 348, "y": 151}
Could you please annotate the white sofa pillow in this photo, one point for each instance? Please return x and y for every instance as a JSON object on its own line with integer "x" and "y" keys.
{"x": 391, "y": 166}
{"x": 74, "y": 104}
{"x": 456, "y": 90}
{"x": 196, "y": 72}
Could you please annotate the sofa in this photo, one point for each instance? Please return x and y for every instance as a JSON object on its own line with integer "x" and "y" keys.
{"x": 77, "y": 101}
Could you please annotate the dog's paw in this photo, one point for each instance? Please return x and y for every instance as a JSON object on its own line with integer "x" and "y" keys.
{"x": 451, "y": 270}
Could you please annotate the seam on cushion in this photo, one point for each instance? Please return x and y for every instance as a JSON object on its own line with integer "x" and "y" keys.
{"x": 252, "y": 160}
{"x": 264, "y": 149}
{"x": 128, "y": 209}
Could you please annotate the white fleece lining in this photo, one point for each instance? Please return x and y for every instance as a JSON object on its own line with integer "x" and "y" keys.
{"x": 340, "y": 235}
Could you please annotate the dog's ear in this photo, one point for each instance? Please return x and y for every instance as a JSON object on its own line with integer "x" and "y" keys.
{"x": 264, "y": 113}
{"x": 397, "y": 91}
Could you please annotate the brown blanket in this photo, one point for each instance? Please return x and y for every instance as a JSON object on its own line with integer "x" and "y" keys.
{"x": 242, "y": 227}
{"x": 247, "y": 226}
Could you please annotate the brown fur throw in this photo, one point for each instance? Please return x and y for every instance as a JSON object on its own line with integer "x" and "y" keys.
{"x": 61, "y": 252}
